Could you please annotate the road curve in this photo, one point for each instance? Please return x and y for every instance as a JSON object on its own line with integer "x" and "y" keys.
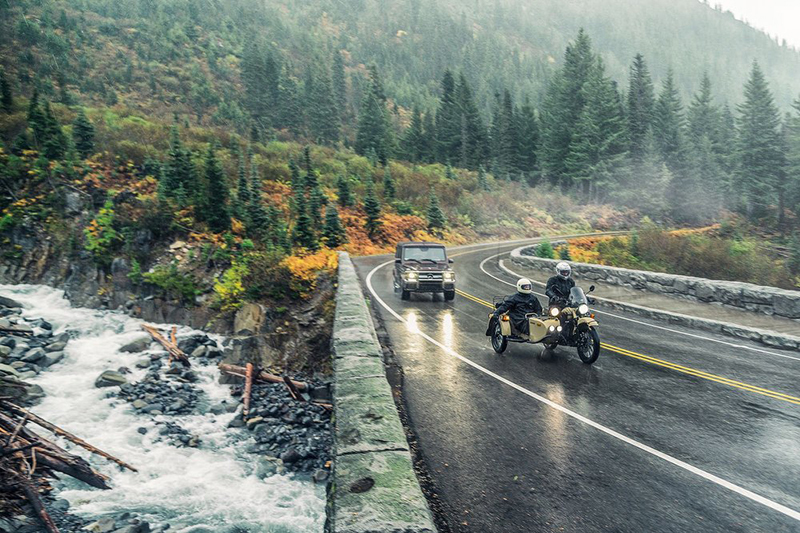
{"x": 666, "y": 432}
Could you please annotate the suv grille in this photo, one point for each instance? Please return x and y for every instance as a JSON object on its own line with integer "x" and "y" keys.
{"x": 430, "y": 276}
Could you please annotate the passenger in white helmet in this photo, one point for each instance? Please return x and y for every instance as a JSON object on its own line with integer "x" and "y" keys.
{"x": 558, "y": 286}
{"x": 518, "y": 305}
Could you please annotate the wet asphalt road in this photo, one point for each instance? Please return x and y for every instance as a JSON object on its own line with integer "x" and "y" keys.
{"x": 537, "y": 441}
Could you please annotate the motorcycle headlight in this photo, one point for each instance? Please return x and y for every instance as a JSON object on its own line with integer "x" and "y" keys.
{"x": 583, "y": 309}
{"x": 554, "y": 311}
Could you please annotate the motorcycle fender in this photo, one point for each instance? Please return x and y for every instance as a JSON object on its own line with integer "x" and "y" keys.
{"x": 538, "y": 329}
{"x": 585, "y": 323}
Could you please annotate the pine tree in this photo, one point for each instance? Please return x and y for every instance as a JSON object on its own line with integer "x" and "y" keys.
{"x": 243, "y": 191}
{"x": 472, "y": 139}
{"x": 598, "y": 143}
{"x": 339, "y": 85}
{"x": 345, "y": 195}
{"x": 324, "y": 117}
{"x": 254, "y": 78}
{"x": 528, "y": 139}
{"x": 36, "y": 120}
{"x": 389, "y": 189}
{"x": 290, "y": 112}
{"x": 373, "y": 127}
{"x": 260, "y": 222}
{"x": 412, "y": 141}
{"x": 333, "y": 234}
{"x": 307, "y": 159}
{"x": 760, "y": 155}
{"x": 704, "y": 117}
{"x": 641, "y": 103}
{"x": 436, "y": 218}
{"x": 303, "y": 233}
{"x": 563, "y": 105}
{"x": 448, "y": 122}
{"x": 6, "y": 95}
{"x": 506, "y": 137}
{"x": 83, "y": 135}
{"x": 372, "y": 208}
{"x": 563, "y": 253}
{"x": 429, "y": 141}
{"x": 215, "y": 208}
{"x": 55, "y": 142}
{"x": 483, "y": 182}
{"x": 794, "y": 255}
{"x": 668, "y": 125}
{"x": 793, "y": 161}
{"x": 315, "y": 202}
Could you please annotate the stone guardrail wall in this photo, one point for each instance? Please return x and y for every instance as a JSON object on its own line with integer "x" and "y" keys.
{"x": 745, "y": 296}
{"x": 374, "y": 486}
{"x": 750, "y": 297}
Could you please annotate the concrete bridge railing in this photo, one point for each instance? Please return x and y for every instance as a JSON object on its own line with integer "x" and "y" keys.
{"x": 374, "y": 486}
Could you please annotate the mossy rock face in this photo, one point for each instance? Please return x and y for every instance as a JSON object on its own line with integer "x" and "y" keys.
{"x": 379, "y": 492}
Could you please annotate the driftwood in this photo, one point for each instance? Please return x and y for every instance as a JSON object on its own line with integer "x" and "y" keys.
{"x": 171, "y": 346}
{"x": 263, "y": 376}
{"x": 248, "y": 388}
{"x": 15, "y": 331}
{"x": 62, "y": 433}
{"x": 29, "y": 461}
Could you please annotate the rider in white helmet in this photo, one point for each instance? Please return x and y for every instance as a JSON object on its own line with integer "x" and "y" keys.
{"x": 518, "y": 305}
{"x": 558, "y": 286}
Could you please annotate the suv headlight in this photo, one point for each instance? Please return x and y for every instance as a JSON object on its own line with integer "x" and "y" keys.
{"x": 449, "y": 276}
{"x": 583, "y": 309}
{"x": 410, "y": 274}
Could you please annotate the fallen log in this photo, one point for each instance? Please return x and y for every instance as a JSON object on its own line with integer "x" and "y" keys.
{"x": 170, "y": 345}
{"x": 248, "y": 388}
{"x": 38, "y": 506}
{"x": 27, "y": 415}
{"x": 263, "y": 376}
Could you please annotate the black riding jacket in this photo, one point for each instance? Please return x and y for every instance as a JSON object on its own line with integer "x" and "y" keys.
{"x": 558, "y": 288}
{"x": 518, "y": 305}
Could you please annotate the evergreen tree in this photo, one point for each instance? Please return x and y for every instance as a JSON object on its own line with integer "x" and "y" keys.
{"x": 307, "y": 159}
{"x": 598, "y": 142}
{"x": 528, "y": 139}
{"x": 315, "y": 202}
{"x": 324, "y": 117}
{"x": 483, "y": 183}
{"x": 339, "y": 85}
{"x": 83, "y": 135}
{"x": 794, "y": 255}
{"x": 6, "y": 95}
{"x": 506, "y": 137}
{"x": 333, "y": 234}
{"x": 641, "y": 104}
{"x": 243, "y": 191}
{"x": 563, "y": 253}
{"x": 215, "y": 208}
{"x": 280, "y": 233}
{"x": 563, "y": 106}
{"x": 372, "y": 208}
{"x": 260, "y": 221}
{"x": 373, "y": 127}
{"x": 669, "y": 125}
{"x": 179, "y": 171}
{"x": 36, "y": 120}
{"x": 704, "y": 118}
{"x": 389, "y": 190}
{"x": 254, "y": 78}
{"x": 413, "y": 138}
{"x": 448, "y": 122}
{"x": 759, "y": 147}
{"x": 345, "y": 195}
{"x": 436, "y": 218}
{"x": 290, "y": 112}
{"x": 793, "y": 161}
{"x": 55, "y": 142}
{"x": 303, "y": 233}
{"x": 429, "y": 141}
{"x": 472, "y": 138}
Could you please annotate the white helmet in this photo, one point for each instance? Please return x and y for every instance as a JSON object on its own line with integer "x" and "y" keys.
{"x": 524, "y": 286}
{"x": 563, "y": 270}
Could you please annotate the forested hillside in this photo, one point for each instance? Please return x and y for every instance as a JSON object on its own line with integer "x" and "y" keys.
{"x": 267, "y": 130}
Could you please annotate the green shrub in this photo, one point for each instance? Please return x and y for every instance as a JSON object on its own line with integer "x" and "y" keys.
{"x": 172, "y": 283}
{"x": 545, "y": 250}
{"x": 135, "y": 275}
{"x": 101, "y": 237}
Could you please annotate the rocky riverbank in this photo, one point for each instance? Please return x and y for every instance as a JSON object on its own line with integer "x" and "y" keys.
{"x": 165, "y": 404}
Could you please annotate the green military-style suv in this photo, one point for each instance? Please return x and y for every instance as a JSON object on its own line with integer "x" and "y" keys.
{"x": 423, "y": 267}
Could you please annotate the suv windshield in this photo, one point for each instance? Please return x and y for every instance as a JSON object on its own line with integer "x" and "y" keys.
{"x": 424, "y": 253}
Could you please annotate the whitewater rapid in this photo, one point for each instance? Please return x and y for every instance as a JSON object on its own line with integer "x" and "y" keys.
{"x": 207, "y": 489}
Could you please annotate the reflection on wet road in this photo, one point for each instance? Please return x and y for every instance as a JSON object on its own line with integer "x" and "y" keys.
{"x": 534, "y": 439}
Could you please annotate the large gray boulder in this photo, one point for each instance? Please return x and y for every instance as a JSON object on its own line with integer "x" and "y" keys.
{"x": 9, "y": 302}
{"x": 137, "y": 345}
{"x": 110, "y": 378}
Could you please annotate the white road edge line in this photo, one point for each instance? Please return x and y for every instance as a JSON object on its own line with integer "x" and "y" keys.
{"x": 558, "y": 407}
{"x": 502, "y": 265}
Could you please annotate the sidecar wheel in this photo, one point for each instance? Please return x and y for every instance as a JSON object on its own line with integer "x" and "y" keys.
{"x": 499, "y": 343}
{"x": 589, "y": 346}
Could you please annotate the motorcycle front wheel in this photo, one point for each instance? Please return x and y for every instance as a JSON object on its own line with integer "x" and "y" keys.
{"x": 589, "y": 346}
{"x": 499, "y": 343}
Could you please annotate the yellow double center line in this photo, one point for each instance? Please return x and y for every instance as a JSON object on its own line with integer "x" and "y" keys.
{"x": 673, "y": 366}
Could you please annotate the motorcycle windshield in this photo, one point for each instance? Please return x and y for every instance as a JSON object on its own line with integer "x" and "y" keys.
{"x": 577, "y": 297}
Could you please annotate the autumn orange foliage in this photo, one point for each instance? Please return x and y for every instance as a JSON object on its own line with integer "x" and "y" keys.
{"x": 305, "y": 269}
